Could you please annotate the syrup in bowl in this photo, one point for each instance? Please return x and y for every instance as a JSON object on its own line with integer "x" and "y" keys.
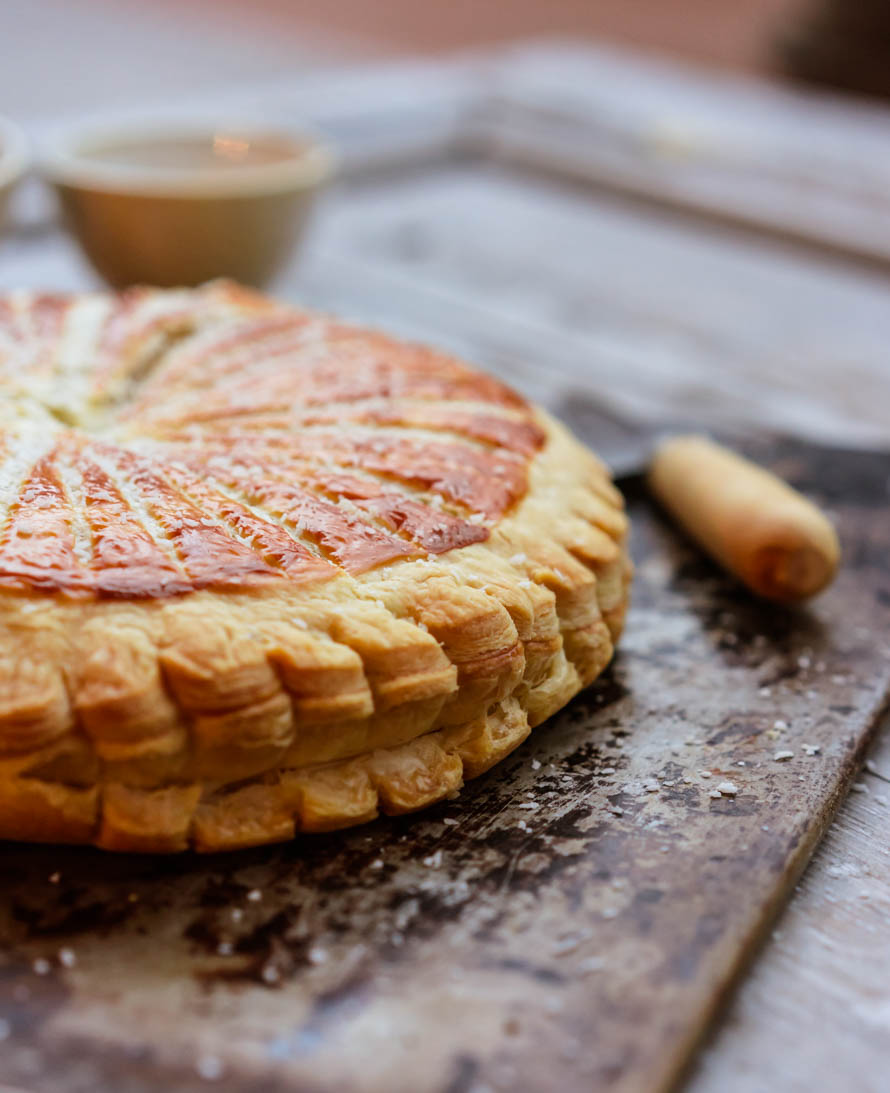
{"x": 215, "y": 151}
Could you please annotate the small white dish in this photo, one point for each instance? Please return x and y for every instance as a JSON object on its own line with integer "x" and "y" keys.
{"x": 179, "y": 204}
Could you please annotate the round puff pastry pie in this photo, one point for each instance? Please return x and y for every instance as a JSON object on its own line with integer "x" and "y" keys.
{"x": 262, "y": 572}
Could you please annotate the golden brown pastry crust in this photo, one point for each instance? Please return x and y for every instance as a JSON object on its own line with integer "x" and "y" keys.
{"x": 152, "y": 702}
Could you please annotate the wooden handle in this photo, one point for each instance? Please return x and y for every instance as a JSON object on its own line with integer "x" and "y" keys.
{"x": 752, "y": 522}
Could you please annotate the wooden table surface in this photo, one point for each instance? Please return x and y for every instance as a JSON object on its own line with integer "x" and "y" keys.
{"x": 726, "y": 257}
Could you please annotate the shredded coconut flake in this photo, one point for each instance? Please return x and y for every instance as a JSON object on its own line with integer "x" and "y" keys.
{"x": 591, "y": 964}
{"x": 67, "y": 958}
{"x": 209, "y": 1067}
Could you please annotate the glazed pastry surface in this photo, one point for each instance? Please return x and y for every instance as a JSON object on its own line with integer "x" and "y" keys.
{"x": 263, "y": 572}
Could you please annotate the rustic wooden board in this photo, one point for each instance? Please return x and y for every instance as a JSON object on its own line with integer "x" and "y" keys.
{"x": 804, "y": 166}
{"x": 813, "y": 1012}
{"x": 571, "y": 921}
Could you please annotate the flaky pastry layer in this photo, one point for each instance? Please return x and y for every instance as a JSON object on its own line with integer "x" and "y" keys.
{"x": 238, "y": 712}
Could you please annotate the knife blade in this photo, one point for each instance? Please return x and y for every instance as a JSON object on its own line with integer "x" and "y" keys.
{"x": 627, "y": 446}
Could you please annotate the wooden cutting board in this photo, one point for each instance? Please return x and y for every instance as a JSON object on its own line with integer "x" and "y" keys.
{"x": 572, "y": 921}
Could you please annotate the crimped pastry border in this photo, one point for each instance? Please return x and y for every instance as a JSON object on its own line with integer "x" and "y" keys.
{"x": 223, "y": 720}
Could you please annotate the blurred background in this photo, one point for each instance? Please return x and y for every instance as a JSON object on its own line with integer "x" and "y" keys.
{"x": 69, "y": 55}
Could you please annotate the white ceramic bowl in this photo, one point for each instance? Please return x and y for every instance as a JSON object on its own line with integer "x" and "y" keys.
{"x": 179, "y": 204}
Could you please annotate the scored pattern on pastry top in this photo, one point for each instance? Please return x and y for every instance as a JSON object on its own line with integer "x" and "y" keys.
{"x": 214, "y": 443}
{"x": 153, "y": 443}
